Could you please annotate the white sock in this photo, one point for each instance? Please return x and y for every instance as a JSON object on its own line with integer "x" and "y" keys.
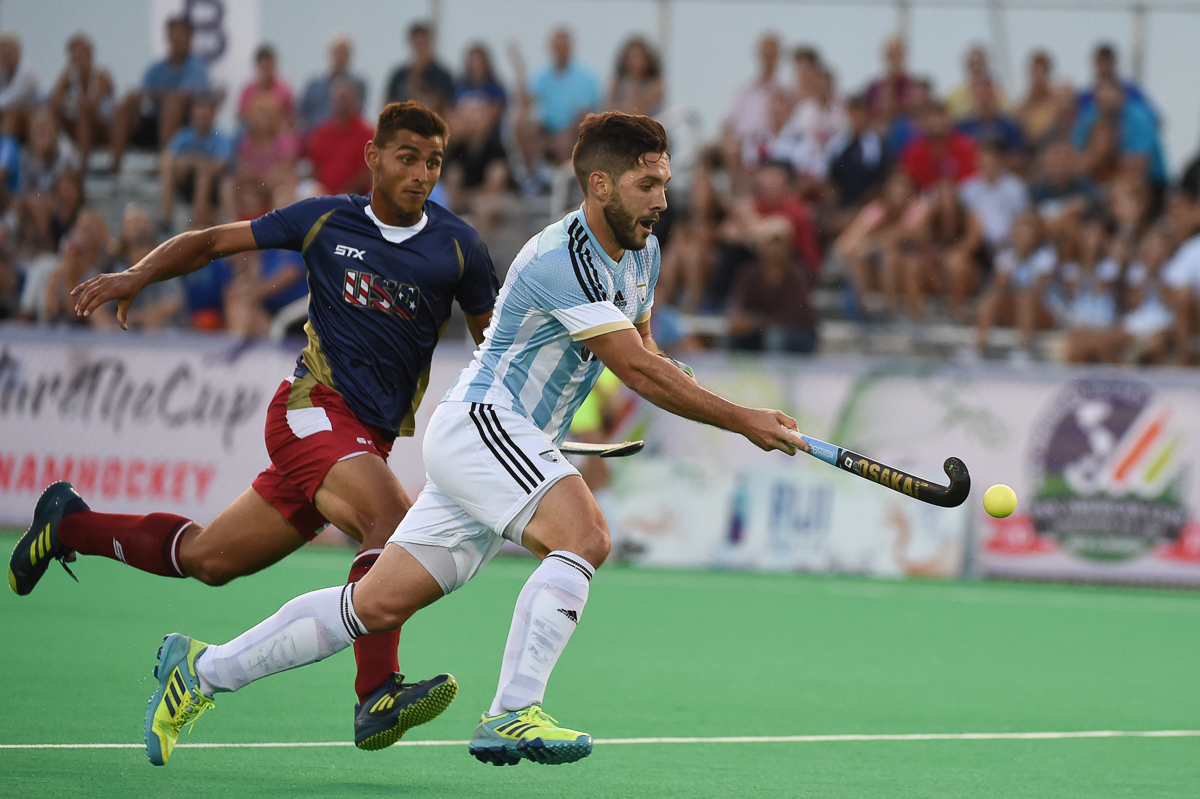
{"x": 309, "y": 628}
{"x": 549, "y": 607}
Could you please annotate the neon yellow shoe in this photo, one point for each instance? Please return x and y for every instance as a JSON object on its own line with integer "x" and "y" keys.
{"x": 178, "y": 700}
{"x": 528, "y": 733}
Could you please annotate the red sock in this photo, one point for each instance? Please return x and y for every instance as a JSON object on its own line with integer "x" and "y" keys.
{"x": 376, "y": 654}
{"x": 149, "y": 543}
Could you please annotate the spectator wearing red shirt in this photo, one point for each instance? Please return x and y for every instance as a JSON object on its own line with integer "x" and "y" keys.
{"x": 773, "y": 196}
{"x": 335, "y": 147}
{"x": 891, "y": 94}
{"x": 266, "y": 82}
{"x": 939, "y": 152}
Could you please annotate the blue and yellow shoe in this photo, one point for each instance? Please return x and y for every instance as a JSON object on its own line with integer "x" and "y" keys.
{"x": 396, "y": 707}
{"x": 529, "y": 733}
{"x": 40, "y": 544}
{"x": 178, "y": 699}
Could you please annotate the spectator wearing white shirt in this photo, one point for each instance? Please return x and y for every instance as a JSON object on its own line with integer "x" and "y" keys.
{"x": 18, "y": 87}
{"x": 1021, "y": 276}
{"x": 1087, "y": 297}
{"x": 822, "y": 117}
{"x": 1149, "y": 324}
{"x": 748, "y": 113}
{"x": 1181, "y": 272}
{"x": 780, "y": 142}
{"x": 995, "y": 195}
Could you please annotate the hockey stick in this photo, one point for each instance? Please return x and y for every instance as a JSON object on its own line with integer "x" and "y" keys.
{"x": 947, "y": 496}
{"x": 602, "y": 450}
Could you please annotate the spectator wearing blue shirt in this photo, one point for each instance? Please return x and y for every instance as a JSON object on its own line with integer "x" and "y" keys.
{"x": 316, "y": 104}
{"x": 149, "y": 116}
{"x": 563, "y": 91}
{"x": 478, "y": 85}
{"x": 10, "y": 165}
{"x": 1104, "y": 64}
{"x": 987, "y": 123}
{"x": 192, "y": 165}
{"x": 1137, "y": 130}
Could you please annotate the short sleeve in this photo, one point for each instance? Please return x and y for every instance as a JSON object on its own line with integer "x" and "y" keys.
{"x": 477, "y": 286}
{"x": 195, "y": 78}
{"x": 180, "y": 141}
{"x": 569, "y": 289}
{"x": 286, "y": 228}
{"x": 655, "y": 264}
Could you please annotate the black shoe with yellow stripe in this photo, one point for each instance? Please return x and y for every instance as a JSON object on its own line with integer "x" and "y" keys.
{"x": 396, "y": 707}
{"x": 40, "y": 544}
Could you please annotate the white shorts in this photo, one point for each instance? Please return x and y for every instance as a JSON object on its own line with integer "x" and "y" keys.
{"x": 488, "y": 468}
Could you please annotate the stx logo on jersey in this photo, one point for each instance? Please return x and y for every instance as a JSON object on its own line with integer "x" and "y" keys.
{"x": 371, "y": 291}
{"x": 349, "y": 252}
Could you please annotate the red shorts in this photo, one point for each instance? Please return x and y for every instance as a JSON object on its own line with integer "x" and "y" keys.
{"x": 309, "y": 429}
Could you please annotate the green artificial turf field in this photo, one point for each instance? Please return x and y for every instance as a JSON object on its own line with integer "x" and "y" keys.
{"x": 658, "y": 654}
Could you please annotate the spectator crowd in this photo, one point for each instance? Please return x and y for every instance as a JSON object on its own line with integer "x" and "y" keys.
{"x": 904, "y": 202}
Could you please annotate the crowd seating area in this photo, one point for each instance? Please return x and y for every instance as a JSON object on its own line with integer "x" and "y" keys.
{"x": 896, "y": 217}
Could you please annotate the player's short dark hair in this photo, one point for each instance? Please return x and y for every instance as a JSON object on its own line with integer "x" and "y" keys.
{"x": 420, "y": 27}
{"x": 614, "y": 143}
{"x": 1105, "y": 50}
{"x": 409, "y": 115}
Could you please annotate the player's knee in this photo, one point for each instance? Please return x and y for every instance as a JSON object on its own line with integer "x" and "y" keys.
{"x": 380, "y": 613}
{"x": 593, "y": 543}
{"x": 213, "y": 570}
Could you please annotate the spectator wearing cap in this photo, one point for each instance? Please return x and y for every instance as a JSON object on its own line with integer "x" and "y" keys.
{"x": 637, "y": 82}
{"x": 890, "y": 94}
{"x": 423, "y": 78}
{"x": 939, "y": 151}
{"x": 192, "y": 165}
{"x": 18, "y": 87}
{"x": 748, "y": 113}
{"x": 149, "y": 116}
{"x": 963, "y": 101}
{"x": 553, "y": 102}
{"x": 770, "y": 307}
{"x": 266, "y": 83}
{"x": 335, "y": 147}
{"x": 995, "y": 195}
{"x": 83, "y": 98}
{"x": 316, "y": 104}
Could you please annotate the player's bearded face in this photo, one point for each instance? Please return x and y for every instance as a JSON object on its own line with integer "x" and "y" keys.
{"x": 635, "y": 206}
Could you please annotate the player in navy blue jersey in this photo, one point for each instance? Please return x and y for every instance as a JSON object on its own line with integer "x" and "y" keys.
{"x": 383, "y": 272}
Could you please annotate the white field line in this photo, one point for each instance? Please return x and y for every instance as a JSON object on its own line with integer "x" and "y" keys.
{"x": 745, "y": 739}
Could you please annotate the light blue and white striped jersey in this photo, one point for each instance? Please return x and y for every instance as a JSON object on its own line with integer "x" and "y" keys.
{"x": 561, "y": 290}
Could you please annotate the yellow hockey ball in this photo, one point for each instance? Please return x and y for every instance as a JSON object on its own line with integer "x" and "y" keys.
{"x": 999, "y": 501}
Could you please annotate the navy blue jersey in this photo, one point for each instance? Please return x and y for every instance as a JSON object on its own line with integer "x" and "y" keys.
{"x": 377, "y": 309}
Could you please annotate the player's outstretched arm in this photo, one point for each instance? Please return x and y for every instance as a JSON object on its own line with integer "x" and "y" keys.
{"x": 180, "y": 255}
{"x": 670, "y": 388}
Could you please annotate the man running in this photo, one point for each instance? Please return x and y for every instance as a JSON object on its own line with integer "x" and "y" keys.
{"x": 383, "y": 272}
{"x": 578, "y": 297}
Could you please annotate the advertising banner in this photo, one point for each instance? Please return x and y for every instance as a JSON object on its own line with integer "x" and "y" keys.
{"x": 1102, "y": 460}
{"x": 140, "y": 424}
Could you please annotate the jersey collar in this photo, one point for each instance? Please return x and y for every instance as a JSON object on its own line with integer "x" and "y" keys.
{"x": 394, "y": 234}
{"x": 612, "y": 265}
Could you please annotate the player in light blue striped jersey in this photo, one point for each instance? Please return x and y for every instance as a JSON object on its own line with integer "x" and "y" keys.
{"x": 577, "y": 298}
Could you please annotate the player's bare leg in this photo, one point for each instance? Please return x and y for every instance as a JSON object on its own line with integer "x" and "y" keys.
{"x": 246, "y": 537}
{"x": 569, "y": 534}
